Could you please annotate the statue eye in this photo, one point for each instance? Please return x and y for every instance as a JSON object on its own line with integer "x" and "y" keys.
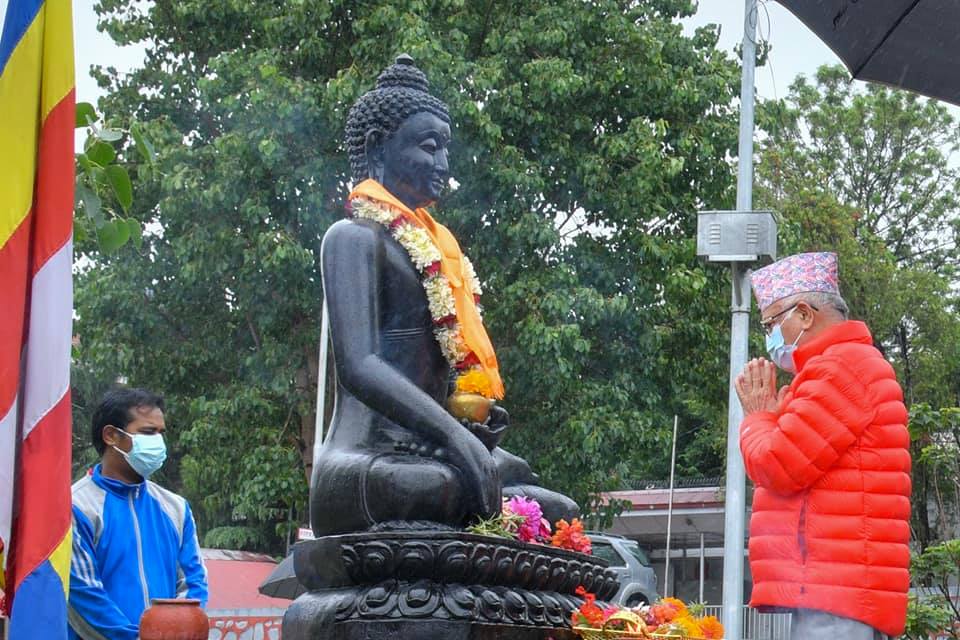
{"x": 429, "y": 145}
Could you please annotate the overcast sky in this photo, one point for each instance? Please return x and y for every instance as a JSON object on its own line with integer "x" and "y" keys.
{"x": 795, "y": 50}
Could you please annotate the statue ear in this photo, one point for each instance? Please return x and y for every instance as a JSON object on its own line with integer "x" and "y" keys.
{"x": 373, "y": 151}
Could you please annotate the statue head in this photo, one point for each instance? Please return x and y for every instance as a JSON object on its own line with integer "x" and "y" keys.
{"x": 398, "y": 134}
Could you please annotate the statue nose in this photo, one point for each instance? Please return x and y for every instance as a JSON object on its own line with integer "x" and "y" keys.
{"x": 440, "y": 163}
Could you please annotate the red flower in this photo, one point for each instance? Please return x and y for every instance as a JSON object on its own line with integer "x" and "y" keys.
{"x": 663, "y": 613}
{"x": 471, "y": 360}
{"x": 588, "y": 614}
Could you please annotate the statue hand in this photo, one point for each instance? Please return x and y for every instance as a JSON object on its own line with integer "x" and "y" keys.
{"x": 481, "y": 479}
{"x": 492, "y": 431}
{"x": 498, "y": 417}
{"x": 488, "y": 433}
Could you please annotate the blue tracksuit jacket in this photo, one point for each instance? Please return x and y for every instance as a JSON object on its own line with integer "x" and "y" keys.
{"x": 131, "y": 543}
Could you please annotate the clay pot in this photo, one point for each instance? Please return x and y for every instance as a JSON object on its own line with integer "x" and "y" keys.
{"x": 174, "y": 619}
{"x": 471, "y": 406}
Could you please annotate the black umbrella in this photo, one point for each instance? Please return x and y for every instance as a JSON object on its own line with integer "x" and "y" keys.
{"x": 914, "y": 44}
{"x": 282, "y": 581}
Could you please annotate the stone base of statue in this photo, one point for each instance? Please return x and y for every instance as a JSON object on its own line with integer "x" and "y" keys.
{"x": 438, "y": 585}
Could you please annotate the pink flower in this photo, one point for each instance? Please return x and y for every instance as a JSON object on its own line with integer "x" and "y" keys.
{"x": 545, "y": 531}
{"x": 531, "y": 529}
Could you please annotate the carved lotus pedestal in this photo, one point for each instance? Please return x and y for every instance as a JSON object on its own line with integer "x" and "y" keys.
{"x": 438, "y": 585}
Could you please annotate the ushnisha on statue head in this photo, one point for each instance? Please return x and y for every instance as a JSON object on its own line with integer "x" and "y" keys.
{"x": 397, "y": 134}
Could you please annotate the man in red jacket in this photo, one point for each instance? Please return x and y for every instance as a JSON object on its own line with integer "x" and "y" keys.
{"x": 829, "y": 459}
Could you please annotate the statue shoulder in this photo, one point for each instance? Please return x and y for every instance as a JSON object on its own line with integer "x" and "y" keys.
{"x": 352, "y": 235}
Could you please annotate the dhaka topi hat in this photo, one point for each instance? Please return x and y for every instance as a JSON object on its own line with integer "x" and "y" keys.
{"x": 800, "y": 273}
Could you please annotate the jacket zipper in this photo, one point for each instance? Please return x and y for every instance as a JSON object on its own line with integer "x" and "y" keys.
{"x": 802, "y": 537}
{"x": 136, "y": 535}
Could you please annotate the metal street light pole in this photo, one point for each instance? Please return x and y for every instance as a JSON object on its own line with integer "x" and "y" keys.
{"x": 735, "y": 507}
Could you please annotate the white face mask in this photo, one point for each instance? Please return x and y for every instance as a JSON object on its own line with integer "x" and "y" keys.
{"x": 147, "y": 454}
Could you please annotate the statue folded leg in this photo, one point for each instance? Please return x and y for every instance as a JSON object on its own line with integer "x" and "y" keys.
{"x": 518, "y": 479}
{"x": 359, "y": 491}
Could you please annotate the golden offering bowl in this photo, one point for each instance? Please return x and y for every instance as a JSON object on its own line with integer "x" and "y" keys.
{"x": 469, "y": 406}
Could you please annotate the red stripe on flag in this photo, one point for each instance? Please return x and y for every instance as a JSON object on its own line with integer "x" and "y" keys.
{"x": 50, "y": 223}
{"x": 44, "y": 482}
{"x": 13, "y": 299}
{"x": 53, "y": 194}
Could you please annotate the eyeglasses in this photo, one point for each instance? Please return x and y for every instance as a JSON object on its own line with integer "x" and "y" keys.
{"x": 767, "y": 325}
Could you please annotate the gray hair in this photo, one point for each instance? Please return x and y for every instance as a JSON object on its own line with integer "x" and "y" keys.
{"x": 821, "y": 300}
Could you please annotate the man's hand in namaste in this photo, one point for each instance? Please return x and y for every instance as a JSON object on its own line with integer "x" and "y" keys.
{"x": 757, "y": 387}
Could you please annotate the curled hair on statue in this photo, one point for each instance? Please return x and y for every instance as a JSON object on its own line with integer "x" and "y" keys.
{"x": 402, "y": 91}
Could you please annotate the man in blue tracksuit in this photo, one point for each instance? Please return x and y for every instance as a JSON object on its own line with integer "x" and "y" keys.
{"x": 132, "y": 539}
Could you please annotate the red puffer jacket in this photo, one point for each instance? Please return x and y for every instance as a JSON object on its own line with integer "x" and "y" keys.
{"x": 831, "y": 509}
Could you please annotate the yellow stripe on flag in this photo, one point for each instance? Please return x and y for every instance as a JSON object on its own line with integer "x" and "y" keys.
{"x": 60, "y": 559}
{"x": 19, "y": 93}
{"x": 58, "y": 73}
{"x": 50, "y": 36}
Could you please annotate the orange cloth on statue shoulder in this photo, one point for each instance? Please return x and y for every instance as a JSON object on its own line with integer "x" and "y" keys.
{"x": 451, "y": 265}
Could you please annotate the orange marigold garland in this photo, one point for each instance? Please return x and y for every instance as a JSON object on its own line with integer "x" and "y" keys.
{"x": 475, "y": 381}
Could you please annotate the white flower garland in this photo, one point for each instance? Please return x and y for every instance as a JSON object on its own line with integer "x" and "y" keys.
{"x": 426, "y": 258}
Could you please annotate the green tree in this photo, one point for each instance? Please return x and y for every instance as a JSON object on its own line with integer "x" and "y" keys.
{"x": 933, "y": 610}
{"x": 104, "y": 191}
{"x": 586, "y": 137}
{"x": 867, "y": 173}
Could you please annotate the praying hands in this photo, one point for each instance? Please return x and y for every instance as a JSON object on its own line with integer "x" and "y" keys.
{"x": 757, "y": 387}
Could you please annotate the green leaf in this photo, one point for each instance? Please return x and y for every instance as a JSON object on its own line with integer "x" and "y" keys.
{"x": 102, "y": 153}
{"x": 120, "y": 181}
{"x": 113, "y": 235}
{"x": 84, "y": 162}
{"x": 109, "y": 135}
{"x": 143, "y": 145}
{"x": 85, "y": 114}
{"x": 267, "y": 147}
{"x": 136, "y": 232}
{"x": 91, "y": 204}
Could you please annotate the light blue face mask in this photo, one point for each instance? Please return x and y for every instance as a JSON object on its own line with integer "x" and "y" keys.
{"x": 781, "y": 353}
{"x": 148, "y": 452}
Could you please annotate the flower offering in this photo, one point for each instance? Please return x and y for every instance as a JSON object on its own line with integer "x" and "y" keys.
{"x": 668, "y": 618}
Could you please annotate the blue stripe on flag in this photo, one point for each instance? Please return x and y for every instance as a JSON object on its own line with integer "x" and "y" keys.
{"x": 20, "y": 15}
{"x": 39, "y": 607}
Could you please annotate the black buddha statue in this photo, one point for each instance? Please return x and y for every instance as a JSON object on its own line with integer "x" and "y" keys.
{"x": 394, "y": 456}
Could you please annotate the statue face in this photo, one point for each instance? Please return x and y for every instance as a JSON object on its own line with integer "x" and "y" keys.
{"x": 414, "y": 160}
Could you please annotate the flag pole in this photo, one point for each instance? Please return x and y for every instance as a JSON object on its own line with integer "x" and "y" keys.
{"x": 673, "y": 466}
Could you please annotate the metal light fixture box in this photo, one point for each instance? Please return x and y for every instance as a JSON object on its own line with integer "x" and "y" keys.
{"x": 736, "y": 236}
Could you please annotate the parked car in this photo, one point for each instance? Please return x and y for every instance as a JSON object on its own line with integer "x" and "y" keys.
{"x": 638, "y": 582}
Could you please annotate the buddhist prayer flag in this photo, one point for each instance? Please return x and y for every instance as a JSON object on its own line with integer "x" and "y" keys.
{"x": 36, "y": 313}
